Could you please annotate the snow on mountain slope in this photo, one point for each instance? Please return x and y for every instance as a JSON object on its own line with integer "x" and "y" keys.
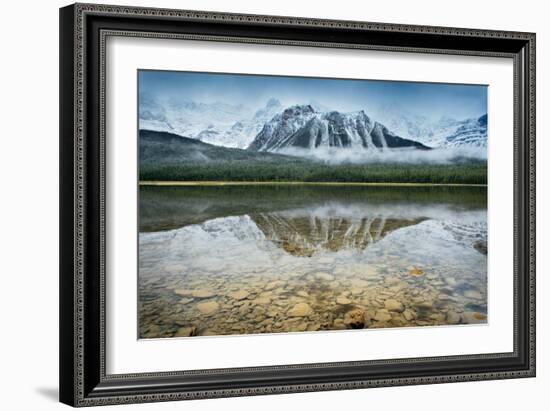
{"x": 273, "y": 127}
{"x": 215, "y": 123}
{"x": 303, "y": 127}
{"x": 443, "y": 133}
{"x": 471, "y": 133}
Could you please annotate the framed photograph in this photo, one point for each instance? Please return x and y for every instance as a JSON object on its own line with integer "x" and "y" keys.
{"x": 261, "y": 204}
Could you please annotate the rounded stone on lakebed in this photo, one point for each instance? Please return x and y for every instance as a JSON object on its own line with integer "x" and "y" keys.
{"x": 356, "y": 291}
{"x": 343, "y": 300}
{"x": 473, "y": 294}
{"x": 452, "y": 318}
{"x": 239, "y": 295}
{"x": 184, "y": 292}
{"x": 355, "y": 318}
{"x": 261, "y": 300}
{"x": 313, "y": 327}
{"x": 300, "y": 310}
{"x": 338, "y": 324}
{"x": 382, "y": 315}
{"x": 474, "y": 317}
{"x": 208, "y": 307}
{"x": 203, "y": 293}
{"x": 425, "y": 305}
{"x": 416, "y": 272}
{"x": 273, "y": 284}
{"x": 450, "y": 281}
{"x": 409, "y": 315}
{"x": 186, "y": 332}
{"x": 394, "y": 305}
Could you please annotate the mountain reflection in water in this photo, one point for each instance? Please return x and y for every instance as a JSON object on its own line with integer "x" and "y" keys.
{"x": 303, "y": 232}
{"x": 254, "y": 259}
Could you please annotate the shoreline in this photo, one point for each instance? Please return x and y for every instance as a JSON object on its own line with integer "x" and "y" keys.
{"x": 310, "y": 183}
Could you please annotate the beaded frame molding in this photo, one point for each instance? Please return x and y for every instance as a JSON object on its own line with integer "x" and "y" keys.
{"x": 84, "y": 29}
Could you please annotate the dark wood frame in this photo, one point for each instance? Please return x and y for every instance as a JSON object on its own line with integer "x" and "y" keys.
{"x": 83, "y": 30}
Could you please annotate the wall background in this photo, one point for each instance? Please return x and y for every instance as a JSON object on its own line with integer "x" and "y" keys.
{"x": 29, "y": 205}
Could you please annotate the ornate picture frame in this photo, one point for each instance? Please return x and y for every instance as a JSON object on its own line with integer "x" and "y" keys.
{"x": 84, "y": 29}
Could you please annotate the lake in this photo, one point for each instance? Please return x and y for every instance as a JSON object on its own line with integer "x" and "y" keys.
{"x": 246, "y": 259}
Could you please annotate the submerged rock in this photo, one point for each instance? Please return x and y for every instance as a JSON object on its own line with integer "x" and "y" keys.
{"x": 272, "y": 313}
{"x": 400, "y": 285}
{"x": 409, "y": 315}
{"x": 356, "y": 291}
{"x": 416, "y": 272}
{"x": 357, "y": 282}
{"x": 300, "y": 310}
{"x": 355, "y": 318}
{"x": 343, "y": 300}
{"x": 243, "y": 309}
{"x": 261, "y": 300}
{"x": 333, "y": 285}
{"x": 437, "y": 317}
{"x": 450, "y": 281}
{"x": 273, "y": 284}
{"x": 452, "y": 318}
{"x": 183, "y": 292}
{"x": 382, "y": 315}
{"x": 425, "y": 305}
{"x": 473, "y": 317}
{"x": 338, "y": 324}
{"x": 473, "y": 294}
{"x": 186, "y": 332}
{"x": 208, "y": 307}
{"x": 313, "y": 327}
{"x": 239, "y": 295}
{"x": 394, "y": 305}
{"x": 204, "y": 293}
{"x": 300, "y": 327}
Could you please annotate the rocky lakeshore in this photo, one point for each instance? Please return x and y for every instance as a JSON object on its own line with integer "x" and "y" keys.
{"x": 350, "y": 298}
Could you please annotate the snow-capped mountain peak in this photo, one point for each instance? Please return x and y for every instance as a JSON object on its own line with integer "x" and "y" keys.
{"x": 471, "y": 132}
{"x": 432, "y": 133}
{"x": 216, "y": 123}
{"x": 301, "y": 126}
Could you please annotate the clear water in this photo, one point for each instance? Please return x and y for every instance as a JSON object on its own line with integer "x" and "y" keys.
{"x": 218, "y": 260}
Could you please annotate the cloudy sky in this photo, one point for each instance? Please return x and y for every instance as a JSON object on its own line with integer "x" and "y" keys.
{"x": 432, "y": 100}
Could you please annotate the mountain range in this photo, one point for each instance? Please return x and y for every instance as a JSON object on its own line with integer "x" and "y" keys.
{"x": 274, "y": 128}
{"x": 215, "y": 123}
{"x": 441, "y": 133}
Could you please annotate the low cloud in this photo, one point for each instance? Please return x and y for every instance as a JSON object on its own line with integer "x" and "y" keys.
{"x": 331, "y": 155}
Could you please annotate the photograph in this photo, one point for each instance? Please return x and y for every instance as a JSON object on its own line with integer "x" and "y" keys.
{"x": 280, "y": 204}
{"x": 288, "y": 200}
